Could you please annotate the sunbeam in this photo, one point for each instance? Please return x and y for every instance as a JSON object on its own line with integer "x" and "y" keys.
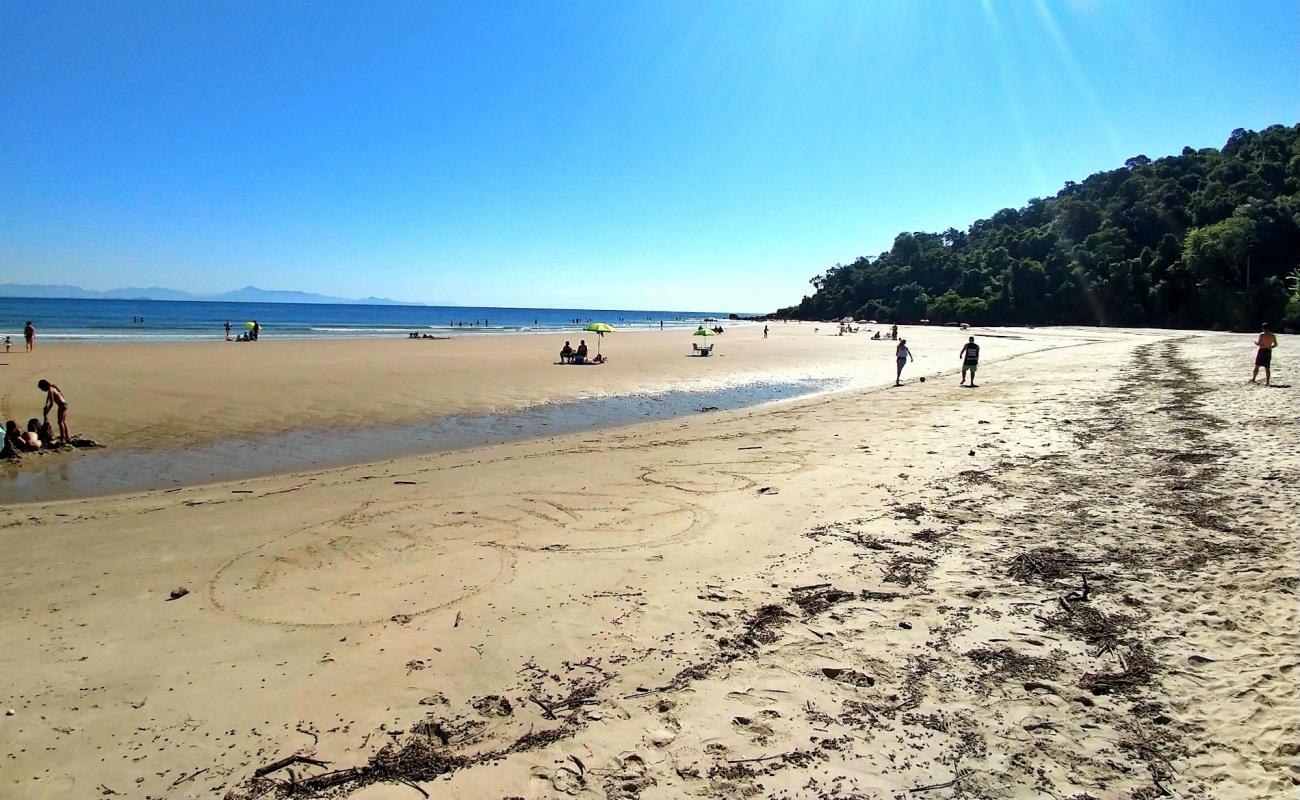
{"x": 1081, "y": 81}
{"x": 1009, "y": 96}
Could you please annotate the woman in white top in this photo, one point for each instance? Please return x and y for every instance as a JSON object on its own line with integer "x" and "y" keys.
{"x": 902, "y": 354}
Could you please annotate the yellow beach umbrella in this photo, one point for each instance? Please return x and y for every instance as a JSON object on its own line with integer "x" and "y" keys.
{"x": 600, "y": 329}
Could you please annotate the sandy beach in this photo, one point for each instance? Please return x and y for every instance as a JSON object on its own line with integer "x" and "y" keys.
{"x": 152, "y": 396}
{"x": 1076, "y": 581}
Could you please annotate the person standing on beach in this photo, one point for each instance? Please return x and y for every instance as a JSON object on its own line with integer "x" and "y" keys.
{"x": 970, "y": 360}
{"x": 764, "y": 331}
{"x": 227, "y": 330}
{"x": 257, "y": 330}
{"x": 29, "y": 335}
{"x": 902, "y": 354}
{"x": 54, "y": 397}
{"x": 1264, "y": 356}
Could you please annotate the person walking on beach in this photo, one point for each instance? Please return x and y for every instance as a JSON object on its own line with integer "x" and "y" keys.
{"x": 1264, "y": 356}
{"x": 54, "y": 397}
{"x": 9, "y": 343}
{"x": 29, "y": 335}
{"x": 227, "y": 330}
{"x": 970, "y": 361}
{"x": 764, "y": 331}
{"x": 902, "y": 354}
{"x": 257, "y": 330}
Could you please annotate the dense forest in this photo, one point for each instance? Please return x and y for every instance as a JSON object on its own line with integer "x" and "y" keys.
{"x": 1205, "y": 239}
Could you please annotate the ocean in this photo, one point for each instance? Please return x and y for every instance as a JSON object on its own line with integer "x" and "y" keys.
{"x": 172, "y": 320}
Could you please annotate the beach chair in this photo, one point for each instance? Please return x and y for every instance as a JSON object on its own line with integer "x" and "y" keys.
{"x": 702, "y": 351}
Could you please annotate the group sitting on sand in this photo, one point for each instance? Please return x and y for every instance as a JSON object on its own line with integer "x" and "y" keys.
{"x": 35, "y": 437}
{"x": 39, "y": 435}
{"x": 570, "y": 356}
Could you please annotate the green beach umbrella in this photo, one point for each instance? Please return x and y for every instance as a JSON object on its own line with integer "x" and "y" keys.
{"x": 248, "y": 324}
{"x": 600, "y": 329}
{"x": 703, "y": 331}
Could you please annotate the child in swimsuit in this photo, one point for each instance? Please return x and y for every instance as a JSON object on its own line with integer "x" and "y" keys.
{"x": 54, "y": 397}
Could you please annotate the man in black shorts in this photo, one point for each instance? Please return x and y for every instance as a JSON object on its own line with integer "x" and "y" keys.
{"x": 1264, "y": 357}
{"x": 970, "y": 360}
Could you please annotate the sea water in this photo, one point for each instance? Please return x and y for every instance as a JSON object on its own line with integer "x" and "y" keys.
{"x": 176, "y": 320}
{"x": 56, "y": 476}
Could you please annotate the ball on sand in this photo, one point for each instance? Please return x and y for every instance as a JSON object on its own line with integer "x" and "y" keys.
{"x": 923, "y": 380}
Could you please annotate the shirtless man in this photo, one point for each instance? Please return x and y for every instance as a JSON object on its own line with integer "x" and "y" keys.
{"x": 29, "y": 335}
{"x": 54, "y": 397}
{"x": 1264, "y": 357}
{"x": 970, "y": 360}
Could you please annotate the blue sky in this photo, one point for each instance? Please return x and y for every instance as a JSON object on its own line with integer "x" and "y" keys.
{"x": 642, "y": 155}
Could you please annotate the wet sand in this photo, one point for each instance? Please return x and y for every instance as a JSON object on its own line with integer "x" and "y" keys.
{"x": 198, "y": 412}
{"x": 152, "y": 396}
{"x": 874, "y": 593}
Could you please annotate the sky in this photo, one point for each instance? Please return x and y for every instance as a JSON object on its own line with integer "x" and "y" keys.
{"x": 659, "y": 155}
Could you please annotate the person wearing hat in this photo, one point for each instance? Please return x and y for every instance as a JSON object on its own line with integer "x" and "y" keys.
{"x": 1264, "y": 356}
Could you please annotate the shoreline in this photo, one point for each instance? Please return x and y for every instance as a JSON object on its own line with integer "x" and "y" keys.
{"x": 107, "y": 473}
{"x": 174, "y": 398}
{"x": 436, "y": 332}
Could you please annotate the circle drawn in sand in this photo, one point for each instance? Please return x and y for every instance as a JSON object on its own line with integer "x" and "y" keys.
{"x": 417, "y": 555}
{"x": 332, "y": 574}
{"x": 587, "y": 523}
{"x": 719, "y": 476}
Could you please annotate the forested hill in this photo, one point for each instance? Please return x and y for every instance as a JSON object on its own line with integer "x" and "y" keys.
{"x": 1205, "y": 239}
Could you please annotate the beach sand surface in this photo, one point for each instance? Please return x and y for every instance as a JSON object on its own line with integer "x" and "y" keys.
{"x": 871, "y": 593}
{"x": 167, "y": 395}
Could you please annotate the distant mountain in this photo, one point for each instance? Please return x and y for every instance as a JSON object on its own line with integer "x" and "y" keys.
{"x": 150, "y": 293}
{"x": 248, "y": 294}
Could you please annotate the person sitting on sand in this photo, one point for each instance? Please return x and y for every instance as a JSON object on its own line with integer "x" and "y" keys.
{"x": 599, "y": 359}
{"x": 902, "y": 354}
{"x": 27, "y": 440}
{"x": 1264, "y": 356}
{"x": 17, "y": 440}
{"x": 46, "y": 433}
{"x": 970, "y": 360}
{"x": 34, "y": 430}
{"x": 580, "y": 357}
{"x": 54, "y": 397}
{"x": 566, "y": 353}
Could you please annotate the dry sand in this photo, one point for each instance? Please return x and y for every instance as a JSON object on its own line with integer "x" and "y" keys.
{"x": 872, "y": 594}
